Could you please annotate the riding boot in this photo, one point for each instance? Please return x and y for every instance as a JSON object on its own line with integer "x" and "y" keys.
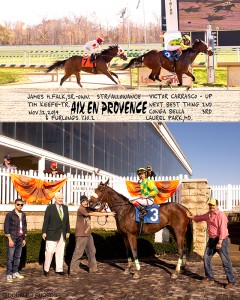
{"x": 95, "y": 67}
{"x": 143, "y": 211}
{"x": 92, "y": 57}
{"x": 174, "y": 65}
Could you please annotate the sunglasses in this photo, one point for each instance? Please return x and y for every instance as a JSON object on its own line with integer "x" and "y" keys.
{"x": 18, "y": 204}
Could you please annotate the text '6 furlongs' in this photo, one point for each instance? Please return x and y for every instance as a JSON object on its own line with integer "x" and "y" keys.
{"x": 115, "y": 107}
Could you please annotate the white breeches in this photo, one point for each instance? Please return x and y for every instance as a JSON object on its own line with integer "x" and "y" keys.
{"x": 145, "y": 202}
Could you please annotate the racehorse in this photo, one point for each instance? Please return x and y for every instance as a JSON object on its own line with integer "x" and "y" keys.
{"x": 155, "y": 60}
{"x": 225, "y": 6}
{"x": 75, "y": 64}
{"x": 172, "y": 215}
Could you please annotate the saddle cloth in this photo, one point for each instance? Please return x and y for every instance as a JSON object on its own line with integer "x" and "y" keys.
{"x": 86, "y": 63}
{"x": 168, "y": 54}
{"x": 153, "y": 216}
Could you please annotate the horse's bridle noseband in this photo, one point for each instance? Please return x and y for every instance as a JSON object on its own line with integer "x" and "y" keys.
{"x": 105, "y": 204}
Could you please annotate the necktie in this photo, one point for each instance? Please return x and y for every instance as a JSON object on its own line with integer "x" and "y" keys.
{"x": 60, "y": 213}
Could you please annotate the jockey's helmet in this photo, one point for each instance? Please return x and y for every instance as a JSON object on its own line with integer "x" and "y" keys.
{"x": 186, "y": 39}
{"x": 141, "y": 170}
{"x": 99, "y": 40}
{"x": 149, "y": 168}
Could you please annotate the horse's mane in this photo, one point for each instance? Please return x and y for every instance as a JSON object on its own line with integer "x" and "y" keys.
{"x": 120, "y": 195}
{"x": 199, "y": 41}
{"x": 193, "y": 48}
{"x": 104, "y": 51}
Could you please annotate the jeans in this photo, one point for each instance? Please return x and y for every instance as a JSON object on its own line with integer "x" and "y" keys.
{"x": 84, "y": 243}
{"x": 14, "y": 255}
{"x": 224, "y": 254}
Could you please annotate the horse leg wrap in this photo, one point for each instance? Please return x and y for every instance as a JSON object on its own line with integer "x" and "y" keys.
{"x": 184, "y": 260}
{"x": 130, "y": 262}
{"x": 137, "y": 264}
{"x": 179, "y": 263}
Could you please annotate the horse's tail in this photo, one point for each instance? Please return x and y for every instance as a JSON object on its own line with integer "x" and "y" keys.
{"x": 189, "y": 238}
{"x": 57, "y": 65}
{"x": 137, "y": 61}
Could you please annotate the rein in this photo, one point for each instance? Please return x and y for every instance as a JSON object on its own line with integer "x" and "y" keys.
{"x": 116, "y": 204}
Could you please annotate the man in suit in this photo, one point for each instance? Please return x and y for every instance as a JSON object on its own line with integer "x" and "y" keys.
{"x": 55, "y": 230}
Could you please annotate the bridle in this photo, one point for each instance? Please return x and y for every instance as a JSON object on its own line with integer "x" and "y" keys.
{"x": 105, "y": 204}
{"x": 120, "y": 52}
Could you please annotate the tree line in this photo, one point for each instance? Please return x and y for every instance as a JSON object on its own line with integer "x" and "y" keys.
{"x": 77, "y": 30}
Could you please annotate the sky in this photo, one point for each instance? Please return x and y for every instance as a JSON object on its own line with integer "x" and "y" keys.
{"x": 213, "y": 150}
{"x": 106, "y": 11}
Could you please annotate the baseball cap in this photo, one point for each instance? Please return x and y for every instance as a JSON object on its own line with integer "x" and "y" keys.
{"x": 213, "y": 202}
{"x": 7, "y": 156}
{"x": 83, "y": 198}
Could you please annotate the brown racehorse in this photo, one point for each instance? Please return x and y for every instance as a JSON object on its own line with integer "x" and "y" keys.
{"x": 155, "y": 60}
{"x": 73, "y": 65}
{"x": 172, "y": 215}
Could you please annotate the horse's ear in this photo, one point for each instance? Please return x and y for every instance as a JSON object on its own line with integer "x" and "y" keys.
{"x": 107, "y": 182}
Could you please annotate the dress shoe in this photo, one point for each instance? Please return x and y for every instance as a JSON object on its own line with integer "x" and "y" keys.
{"x": 45, "y": 273}
{"x": 229, "y": 285}
{"x": 60, "y": 273}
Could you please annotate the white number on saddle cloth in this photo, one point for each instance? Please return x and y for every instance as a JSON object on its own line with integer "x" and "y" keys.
{"x": 153, "y": 216}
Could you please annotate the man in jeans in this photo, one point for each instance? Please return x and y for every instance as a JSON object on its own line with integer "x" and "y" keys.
{"x": 218, "y": 241}
{"x": 15, "y": 229}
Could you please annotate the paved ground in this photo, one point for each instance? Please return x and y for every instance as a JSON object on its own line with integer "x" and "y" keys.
{"x": 111, "y": 284}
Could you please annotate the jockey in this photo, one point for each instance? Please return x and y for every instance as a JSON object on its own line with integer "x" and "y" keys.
{"x": 148, "y": 192}
{"x": 184, "y": 44}
{"x": 92, "y": 46}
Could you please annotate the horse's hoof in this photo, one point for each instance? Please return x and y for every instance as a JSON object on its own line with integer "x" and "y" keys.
{"x": 127, "y": 271}
{"x": 119, "y": 86}
{"x": 188, "y": 88}
{"x": 160, "y": 87}
{"x": 136, "y": 275}
{"x": 174, "y": 276}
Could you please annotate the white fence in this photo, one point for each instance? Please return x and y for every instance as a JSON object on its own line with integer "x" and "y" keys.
{"x": 75, "y": 186}
{"x": 228, "y": 196}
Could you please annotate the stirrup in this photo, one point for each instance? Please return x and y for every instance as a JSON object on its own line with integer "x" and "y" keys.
{"x": 142, "y": 211}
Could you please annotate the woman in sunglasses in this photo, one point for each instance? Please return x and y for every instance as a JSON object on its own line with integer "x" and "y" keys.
{"x": 15, "y": 229}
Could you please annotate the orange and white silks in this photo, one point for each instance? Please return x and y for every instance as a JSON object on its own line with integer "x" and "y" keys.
{"x": 165, "y": 188}
{"x": 36, "y": 191}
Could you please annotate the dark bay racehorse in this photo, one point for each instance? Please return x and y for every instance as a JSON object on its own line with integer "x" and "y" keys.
{"x": 225, "y": 6}
{"x": 155, "y": 60}
{"x": 172, "y": 215}
{"x": 75, "y": 64}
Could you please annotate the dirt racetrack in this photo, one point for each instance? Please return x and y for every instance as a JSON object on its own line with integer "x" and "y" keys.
{"x": 110, "y": 283}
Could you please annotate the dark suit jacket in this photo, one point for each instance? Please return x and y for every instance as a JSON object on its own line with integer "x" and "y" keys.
{"x": 53, "y": 226}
